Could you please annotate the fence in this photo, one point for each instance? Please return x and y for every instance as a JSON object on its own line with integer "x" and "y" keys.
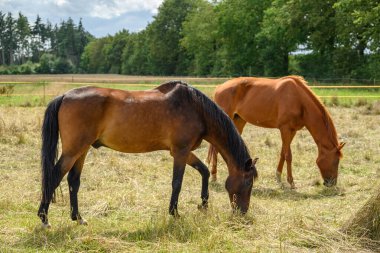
{"x": 17, "y": 93}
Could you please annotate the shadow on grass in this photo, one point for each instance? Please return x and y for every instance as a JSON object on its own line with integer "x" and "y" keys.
{"x": 65, "y": 237}
{"x": 160, "y": 228}
{"x": 217, "y": 186}
{"x": 285, "y": 193}
{"x": 290, "y": 194}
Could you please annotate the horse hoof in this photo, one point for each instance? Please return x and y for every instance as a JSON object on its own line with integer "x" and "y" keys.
{"x": 213, "y": 178}
{"x": 278, "y": 177}
{"x": 45, "y": 225}
{"x": 292, "y": 186}
{"x": 174, "y": 213}
{"x": 203, "y": 207}
{"x": 82, "y": 222}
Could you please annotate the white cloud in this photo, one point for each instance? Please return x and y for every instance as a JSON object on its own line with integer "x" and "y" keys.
{"x": 115, "y": 8}
{"x": 60, "y": 2}
{"x": 94, "y": 13}
{"x": 105, "y": 9}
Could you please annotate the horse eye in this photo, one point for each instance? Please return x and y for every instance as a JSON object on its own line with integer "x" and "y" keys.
{"x": 247, "y": 183}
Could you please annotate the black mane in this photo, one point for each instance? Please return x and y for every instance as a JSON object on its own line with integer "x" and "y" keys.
{"x": 216, "y": 117}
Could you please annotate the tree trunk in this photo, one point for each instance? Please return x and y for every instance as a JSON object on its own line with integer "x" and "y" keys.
{"x": 366, "y": 222}
{"x": 2, "y": 57}
{"x": 10, "y": 57}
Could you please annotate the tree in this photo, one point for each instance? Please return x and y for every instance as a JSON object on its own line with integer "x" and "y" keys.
{"x": 136, "y": 55}
{"x": 93, "y": 59}
{"x": 38, "y": 39}
{"x": 114, "y": 51}
{"x": 23, "y": 35}
{"x": 82, "y": 39}
{"x": 358, "y": 33}
{"x": 46, "y": 64}
{"x": 10, "y": 39}
{"x": 281, "y": 33}
{"x": 2, "y": 37}
{"x": 164, "y": 33}
{"x": 239, "y": 22}
{"x": 199, "y": 37}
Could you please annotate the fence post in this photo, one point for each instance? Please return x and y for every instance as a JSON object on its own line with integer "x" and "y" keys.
{"x": 43, "y": 83}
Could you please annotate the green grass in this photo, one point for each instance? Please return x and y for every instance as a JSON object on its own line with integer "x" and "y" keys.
{"x": 33, "y": 91}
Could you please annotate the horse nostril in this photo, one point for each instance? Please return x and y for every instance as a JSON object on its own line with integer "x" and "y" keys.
{"x": 329, "y": 182}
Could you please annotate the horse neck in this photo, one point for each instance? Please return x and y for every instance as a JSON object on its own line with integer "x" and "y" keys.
{"x": 221, "y": 145}
{"x": 321, "y": 128}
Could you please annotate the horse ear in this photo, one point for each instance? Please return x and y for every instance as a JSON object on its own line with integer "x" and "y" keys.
{"x": 341, "y": 145}
{"x": 255, "y": 161}
{"x": 248, "y": 164}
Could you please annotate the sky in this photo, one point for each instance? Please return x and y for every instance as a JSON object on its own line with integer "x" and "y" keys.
{"x": 99, "y": 17}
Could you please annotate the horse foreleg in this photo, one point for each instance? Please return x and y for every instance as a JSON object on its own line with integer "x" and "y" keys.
{"x": 179, "y": 164}
{"x": 287, "y": 136}
{"x": 73, "y": 180}
{"x": 194, "y": 162}
{"x": 280, "y": 166}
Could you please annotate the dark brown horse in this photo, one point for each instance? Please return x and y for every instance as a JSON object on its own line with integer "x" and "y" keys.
{"x": 172, "y": 117}
{"x": 287, "y": 104}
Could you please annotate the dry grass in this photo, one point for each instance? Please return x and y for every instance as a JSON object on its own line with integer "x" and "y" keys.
{"x": 125, "y": 197}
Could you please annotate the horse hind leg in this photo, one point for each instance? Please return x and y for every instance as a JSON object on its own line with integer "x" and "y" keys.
{"x": 280, "y": 166}
{"x": 73, "y": 180}
{"x": 63, "y": 165}
{"x": 214, "y": 162}
{"x": 287, "y": 136}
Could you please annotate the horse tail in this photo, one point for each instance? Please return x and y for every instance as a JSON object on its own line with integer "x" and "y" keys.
{"x": 49, "y": 150}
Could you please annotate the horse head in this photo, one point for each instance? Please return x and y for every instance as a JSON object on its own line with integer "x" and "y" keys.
{"x": 239, "y": 186}
{"x": 328, "y": 163}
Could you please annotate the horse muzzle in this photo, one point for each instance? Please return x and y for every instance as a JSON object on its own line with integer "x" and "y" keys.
{"x": 329, "y": 182}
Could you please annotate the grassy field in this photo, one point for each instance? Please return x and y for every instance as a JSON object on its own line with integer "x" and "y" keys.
{"x": 125, "y": 197}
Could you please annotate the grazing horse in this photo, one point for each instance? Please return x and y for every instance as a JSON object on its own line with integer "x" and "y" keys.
{"x": 173, "y": 116}
{"x": 288, "y": 104}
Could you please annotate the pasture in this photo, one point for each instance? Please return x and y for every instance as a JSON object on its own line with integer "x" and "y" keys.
{"x": 125, "y": 197}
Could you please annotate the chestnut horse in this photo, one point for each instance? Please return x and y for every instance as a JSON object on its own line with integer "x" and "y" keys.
{"x": 173, "y": 116}
{"x": 287, "y": 104}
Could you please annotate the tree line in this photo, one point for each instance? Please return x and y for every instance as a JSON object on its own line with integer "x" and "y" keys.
{"x": 40, "y": 47}
{"x": 324, "y": 39}
{"x": 335, "y": 38}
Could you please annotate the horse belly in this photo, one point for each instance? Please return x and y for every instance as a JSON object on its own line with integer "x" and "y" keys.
{"x": 134, "y": 139}
{"x": 262, "y": 115}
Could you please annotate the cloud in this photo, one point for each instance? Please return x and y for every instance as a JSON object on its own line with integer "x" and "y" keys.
{"x": 105, "y": 9}
{"x": 61, "y": 2}
{"x": 116, "y": 8}
{"x": 137, "y": 12}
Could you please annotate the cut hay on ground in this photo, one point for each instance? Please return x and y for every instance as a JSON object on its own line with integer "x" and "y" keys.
{"x": 366, "y": 222}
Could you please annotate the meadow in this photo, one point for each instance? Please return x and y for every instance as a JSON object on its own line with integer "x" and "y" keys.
{"x": 37, "y": 90}
{"x": 125, "y": 197}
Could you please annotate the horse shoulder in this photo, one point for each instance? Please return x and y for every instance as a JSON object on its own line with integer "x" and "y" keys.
{"x": 230, "y": 94}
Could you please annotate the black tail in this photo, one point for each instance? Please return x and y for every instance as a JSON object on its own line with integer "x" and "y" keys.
{"x": 49, "y": 150}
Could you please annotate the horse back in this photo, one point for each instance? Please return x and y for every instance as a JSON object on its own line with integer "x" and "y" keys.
{"x": 261, "y": 101}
